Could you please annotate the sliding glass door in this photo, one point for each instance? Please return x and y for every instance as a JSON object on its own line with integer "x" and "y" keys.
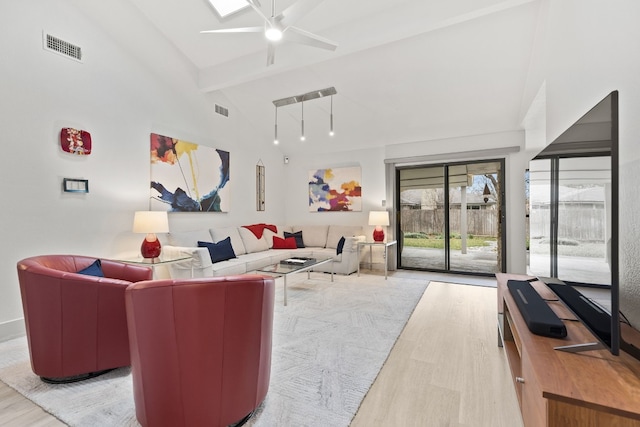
{"x": 570, "y": 218}
{"x": 449, "y": 217}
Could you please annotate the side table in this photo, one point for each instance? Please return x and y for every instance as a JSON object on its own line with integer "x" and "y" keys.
{"x": 155, "y": 262}
{"x": 384, "y": 245}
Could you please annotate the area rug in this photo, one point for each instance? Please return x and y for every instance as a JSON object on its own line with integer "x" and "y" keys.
{"x": 329, "y": 344}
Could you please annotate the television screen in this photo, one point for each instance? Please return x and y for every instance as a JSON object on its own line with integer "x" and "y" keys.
{"x": 572, "y": 197}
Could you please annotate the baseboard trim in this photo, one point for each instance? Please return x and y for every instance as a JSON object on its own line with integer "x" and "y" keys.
{"x": 12, "y": 329}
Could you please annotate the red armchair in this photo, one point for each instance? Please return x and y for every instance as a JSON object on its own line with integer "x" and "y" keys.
{"x": 76, "y": 324}
{"x": 200, "y": 349}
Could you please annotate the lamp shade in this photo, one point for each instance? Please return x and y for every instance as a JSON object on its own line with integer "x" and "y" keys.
{"x": 379, "y": 218}
{"x": 151, "y": 222}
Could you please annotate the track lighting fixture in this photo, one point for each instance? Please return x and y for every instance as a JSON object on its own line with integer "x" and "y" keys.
{"x": 330, "y": 91}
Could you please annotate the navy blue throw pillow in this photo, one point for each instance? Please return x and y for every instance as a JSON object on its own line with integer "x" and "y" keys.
{"x": 94, "y": 269}
{"x": 340, "y": 245}
{"x": 220, "y": 251}
{"x": 298, "y": 236}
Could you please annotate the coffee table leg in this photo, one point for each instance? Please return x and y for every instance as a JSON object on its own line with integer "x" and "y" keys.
{"x": 385, "y": 262}
{"x": 285, "y": 289}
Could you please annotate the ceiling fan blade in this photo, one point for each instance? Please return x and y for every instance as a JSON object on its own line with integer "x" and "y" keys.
{"x": 271, "y": 53}
{"x": 296, "y": 11}
{"x": 296, "y": 35}
{"x": 236, "y": 30}
{"x": 256, "y": 6}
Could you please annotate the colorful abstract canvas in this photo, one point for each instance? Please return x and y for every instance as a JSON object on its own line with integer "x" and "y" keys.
{"x": 335, "y": 189}
{"x": 187, "y": 177}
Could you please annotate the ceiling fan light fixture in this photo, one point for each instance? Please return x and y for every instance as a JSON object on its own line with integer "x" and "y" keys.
{"x": 273, "y": 34}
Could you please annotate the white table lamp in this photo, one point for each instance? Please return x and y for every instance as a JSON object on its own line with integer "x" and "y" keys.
{"x": 379, "y": 219}
{"x": 151, "y": 222}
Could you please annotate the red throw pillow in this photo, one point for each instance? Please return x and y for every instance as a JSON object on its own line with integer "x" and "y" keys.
{"x": 280, "y": 243}
{"x": 256, "y": 229}
{"x": 271, "y": 227}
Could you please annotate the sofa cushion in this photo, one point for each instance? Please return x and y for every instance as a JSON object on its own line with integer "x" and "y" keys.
{"x": 338, "y": 231}
{"x": 257, "y": 260}
{"x": 314, "y": 235}
{"x": 297, "y": 236}
{"x": 95, "y": 269}
{"x": 229, "y": 268}
{"x": 288, "y": 243}
{"x": 188, "y": 238}
{"x": 221, "y": 233}
{"x": 220, "y": 251}
{"x": 251, "y": 242}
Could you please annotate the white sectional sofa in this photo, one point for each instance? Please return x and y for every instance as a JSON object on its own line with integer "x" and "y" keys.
{"x": 253, "y": 253}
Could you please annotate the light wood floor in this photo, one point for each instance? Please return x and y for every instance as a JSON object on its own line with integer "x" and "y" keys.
{"x": 16, "y": 410}
{"x": 445, "y": 370}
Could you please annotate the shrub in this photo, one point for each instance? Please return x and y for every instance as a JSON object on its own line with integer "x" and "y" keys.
{"x": 414, "y": 235}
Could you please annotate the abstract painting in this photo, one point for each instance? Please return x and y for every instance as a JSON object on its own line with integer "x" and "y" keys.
{"x": 187, "y": 177}
{"x": 335, "y": 189}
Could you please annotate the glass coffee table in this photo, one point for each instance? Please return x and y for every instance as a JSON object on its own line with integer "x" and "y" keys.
{"x": 284, "y": 269}
{"x": 157, "y": 262}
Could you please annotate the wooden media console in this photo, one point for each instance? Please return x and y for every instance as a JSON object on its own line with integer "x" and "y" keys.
{"x": 561, "y": 389}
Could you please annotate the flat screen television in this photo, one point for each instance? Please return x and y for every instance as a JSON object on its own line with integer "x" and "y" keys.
{"x": 572, "y": 210}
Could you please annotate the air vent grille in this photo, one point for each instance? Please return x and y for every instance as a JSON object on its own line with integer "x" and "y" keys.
{"x": 56, "y": 45}
{"x": 222, "y": 110}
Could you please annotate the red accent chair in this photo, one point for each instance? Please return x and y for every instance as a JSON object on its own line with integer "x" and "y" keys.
{"x": 76, "y": 324}
{"x": 200, "y": 349}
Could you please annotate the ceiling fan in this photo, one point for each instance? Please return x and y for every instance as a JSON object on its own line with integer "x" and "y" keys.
{"x": 281, "y": 26}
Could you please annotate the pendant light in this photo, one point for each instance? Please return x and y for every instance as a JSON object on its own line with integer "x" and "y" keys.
{"x": 331, "y": 119}
{"x": 275, "y": 137}
{"x": 302, "y": 138}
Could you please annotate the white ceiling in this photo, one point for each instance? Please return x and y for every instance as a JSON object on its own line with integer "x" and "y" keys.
{"x": 405, "y": 70}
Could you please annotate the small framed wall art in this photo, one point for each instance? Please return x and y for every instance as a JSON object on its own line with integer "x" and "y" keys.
{"x": 72, "y": 185}
{"x": 260, "y": 186}
{"x": 75, "y": 141}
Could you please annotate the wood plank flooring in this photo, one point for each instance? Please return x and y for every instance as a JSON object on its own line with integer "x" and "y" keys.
{"x": 445, "y": 370}
{"x": 18, "y": 411}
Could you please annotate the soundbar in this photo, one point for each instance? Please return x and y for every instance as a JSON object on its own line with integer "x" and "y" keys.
{"x": 535, "y": 311}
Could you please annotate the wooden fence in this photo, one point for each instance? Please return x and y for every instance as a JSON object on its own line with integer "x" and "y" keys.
{"x": 482, "y": 222}
{"x": 586, "y": 224}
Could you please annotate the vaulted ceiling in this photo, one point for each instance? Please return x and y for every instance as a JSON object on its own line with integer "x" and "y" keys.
{"x": 404, "y": 70}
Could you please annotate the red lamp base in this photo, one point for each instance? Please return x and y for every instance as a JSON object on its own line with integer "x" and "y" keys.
{"x": 378, "y": 234}
{"x": 151, "y": 247}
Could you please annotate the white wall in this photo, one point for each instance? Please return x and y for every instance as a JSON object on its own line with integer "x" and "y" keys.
{"x": 120, "y": 100}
